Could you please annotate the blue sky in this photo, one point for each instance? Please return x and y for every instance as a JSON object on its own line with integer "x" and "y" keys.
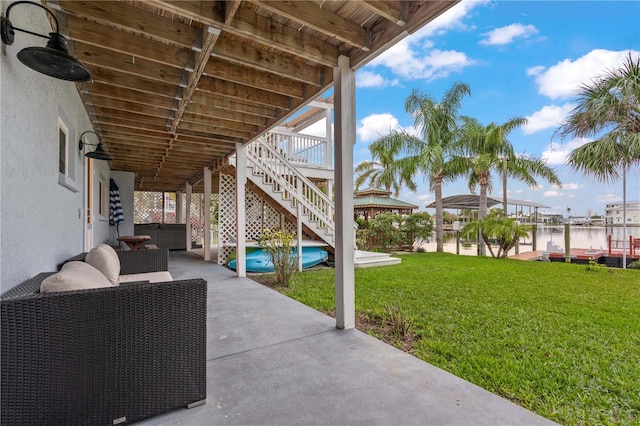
{"x": 520, "y": 58}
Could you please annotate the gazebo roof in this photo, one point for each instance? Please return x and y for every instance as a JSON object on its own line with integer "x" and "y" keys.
{"x": 471, "y": 202}
{"x": 372, "y": 191}
{"x": 383, "y": 202}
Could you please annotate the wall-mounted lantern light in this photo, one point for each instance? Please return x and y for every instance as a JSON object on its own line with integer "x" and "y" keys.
{"x": 99, "y": 153}
{"x": 53, "y": 60}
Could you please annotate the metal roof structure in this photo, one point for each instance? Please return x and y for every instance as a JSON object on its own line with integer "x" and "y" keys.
{"x": 471, "y": 202}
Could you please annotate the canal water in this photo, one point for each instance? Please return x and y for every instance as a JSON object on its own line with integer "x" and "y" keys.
{"x": 587, "y": 237}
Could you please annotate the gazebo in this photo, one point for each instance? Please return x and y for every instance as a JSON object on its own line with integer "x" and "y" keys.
{"x": 372, "y": 201}
{"x": 471, "y": 202}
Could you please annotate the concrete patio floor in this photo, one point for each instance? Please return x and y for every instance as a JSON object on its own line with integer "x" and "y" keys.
{"x": 272, "y": 360}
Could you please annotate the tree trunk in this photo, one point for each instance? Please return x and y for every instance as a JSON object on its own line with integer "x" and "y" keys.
{"x": 482, "y": 212}
{"x": 439, "y": 215}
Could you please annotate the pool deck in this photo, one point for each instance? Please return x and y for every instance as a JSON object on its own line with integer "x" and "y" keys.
{"x": 273, "y": 360}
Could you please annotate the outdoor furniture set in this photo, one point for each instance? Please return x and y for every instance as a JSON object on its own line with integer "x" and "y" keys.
{"x": 108, "y": 339}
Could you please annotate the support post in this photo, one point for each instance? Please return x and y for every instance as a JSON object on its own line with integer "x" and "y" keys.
{"x": 345, "y": 136}
{"x": 207, "y": 214}
{"x": 299, "y": 234}
{"x": 241, "y": 231}
{"x": 567, "y": 243}
{"x": 188, "y": 215}
{"x": 328, "y": 148}
{"x": 179, "y": 210}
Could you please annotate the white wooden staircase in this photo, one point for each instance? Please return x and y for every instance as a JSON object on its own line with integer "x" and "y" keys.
{"x": 271, "y": 168}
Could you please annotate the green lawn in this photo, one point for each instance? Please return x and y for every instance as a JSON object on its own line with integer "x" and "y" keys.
{"x": 555, "y": 338}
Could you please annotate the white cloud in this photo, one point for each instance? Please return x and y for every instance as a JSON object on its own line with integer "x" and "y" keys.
{"x": 371, "y": 79}
{"x": 535, "y": 70}
{"x": 608, "y": 198}
{"x": 569, "y": 186}
{"x": 452, "y": 19}
{"x": 556, "y": 153}
{"x": 424, "y": 198}
{"x": 412, "y": 62}
{"x": 376, "y": 125}
{"x": 563, "y": 79}
{"x": 548, "y": 117}
{"x": 505, "y": 35}
{"x": 415, "y": 57}
{"x": 552, "y": 193}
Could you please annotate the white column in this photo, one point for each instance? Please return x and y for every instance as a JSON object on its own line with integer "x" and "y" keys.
{"x": 179, "y": 214}
{"x": 329, "y": 155}
{"x": 299, "y": 236}
{"x": 345, "y": 137}
{"x": 207, "y": 214}
{"x": 188, "y": 215}
{"x": 241, "y": 178}
{"x": 328, "y": 150}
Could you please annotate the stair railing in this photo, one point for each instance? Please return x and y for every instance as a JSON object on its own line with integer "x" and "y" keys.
{"x": 283, "y": 177}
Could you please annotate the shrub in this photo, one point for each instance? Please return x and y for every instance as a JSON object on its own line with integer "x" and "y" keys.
{"x": 279, "y": 247}
{"x": 634, "y": 265}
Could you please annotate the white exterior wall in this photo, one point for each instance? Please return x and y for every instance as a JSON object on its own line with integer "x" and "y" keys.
{"x": 41, "y": 221}
{"x": 614, "y": 213}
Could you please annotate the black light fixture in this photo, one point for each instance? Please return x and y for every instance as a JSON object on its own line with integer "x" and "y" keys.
{"x": 99, "y": 153}
{"x": 53, "y": 60}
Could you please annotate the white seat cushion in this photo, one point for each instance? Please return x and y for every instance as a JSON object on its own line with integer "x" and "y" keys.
{"x": 75, "y": 276}
{"x": 152, "y": 277}
{"x": 105, "y": 259}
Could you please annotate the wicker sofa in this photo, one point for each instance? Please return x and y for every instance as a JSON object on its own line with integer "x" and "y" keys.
{"x": 103, "y": 356}
{"x": 172, "y": 236}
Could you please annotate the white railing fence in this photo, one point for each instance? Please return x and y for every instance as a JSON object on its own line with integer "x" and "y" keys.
{"x": 303, "y": 150}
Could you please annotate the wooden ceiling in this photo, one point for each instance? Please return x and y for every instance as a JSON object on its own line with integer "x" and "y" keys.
{"x": 176, "y": 84}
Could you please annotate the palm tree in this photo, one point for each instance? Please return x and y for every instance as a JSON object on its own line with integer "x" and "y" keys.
{"x": 484, "y": 149}
{"x": 609, "y": 110}
{"x": 505, "y": 231}
{"x": 379, "y": 171}
{"x": 429, "y": 154}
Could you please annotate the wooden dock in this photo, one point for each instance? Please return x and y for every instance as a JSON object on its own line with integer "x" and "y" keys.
{"x": 580, "y": 255}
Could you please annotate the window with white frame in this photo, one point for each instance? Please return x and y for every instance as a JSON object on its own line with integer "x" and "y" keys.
{"x": 63, "y": 148}
{"x": 66, "y": 159}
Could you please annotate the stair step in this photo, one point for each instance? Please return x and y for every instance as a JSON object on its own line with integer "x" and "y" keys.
{"x": 367, "y": 259}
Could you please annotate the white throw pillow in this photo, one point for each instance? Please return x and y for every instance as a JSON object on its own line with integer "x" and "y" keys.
{"x": 75, "y": 276}
{"x": 105, "y": 259}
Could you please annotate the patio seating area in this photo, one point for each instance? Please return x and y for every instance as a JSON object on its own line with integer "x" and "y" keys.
{"x": 272, "y": 360}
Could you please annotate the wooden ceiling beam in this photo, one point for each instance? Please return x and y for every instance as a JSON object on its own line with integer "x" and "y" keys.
{"x": 109, "y": 59}
{"x": 213, "y": 130}
{"x": 256, "y": 28}
{"x": 204, "y": 114}
{"x": 255, "y": 96}
{"x": 262, "y": 60}
{"x": 158, "y": 111}
{"x": 310, "y": 14}
{"x": 271, "y": 33}
{"x": 94, "y": 34}
{"x": 126, "y": 17}
{"x": 200, "y": 101}
{"x": 238, "y": 74}
{"x": 120, "y": 79}
{"x": 128, "y": 95}
{"x": 394, "y": 11}
{"x": 212, "y": 135}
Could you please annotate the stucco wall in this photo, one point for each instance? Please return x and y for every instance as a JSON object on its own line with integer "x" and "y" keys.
{"x": 42, "y": 222}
